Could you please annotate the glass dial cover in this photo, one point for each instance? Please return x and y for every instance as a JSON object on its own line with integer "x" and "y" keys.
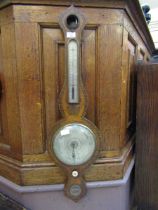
{"x": 74, "y": 144}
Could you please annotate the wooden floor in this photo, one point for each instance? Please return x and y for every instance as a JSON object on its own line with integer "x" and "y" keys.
{"x": 8, "y": 204}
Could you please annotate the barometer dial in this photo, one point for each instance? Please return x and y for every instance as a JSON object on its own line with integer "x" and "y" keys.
{"x": 74, "y": 144}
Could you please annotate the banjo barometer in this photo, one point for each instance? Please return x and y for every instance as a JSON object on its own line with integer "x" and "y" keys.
{"x": 74, "y": 141}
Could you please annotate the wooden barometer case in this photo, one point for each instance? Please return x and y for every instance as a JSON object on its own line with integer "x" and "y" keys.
{"x": 74, "y": 141}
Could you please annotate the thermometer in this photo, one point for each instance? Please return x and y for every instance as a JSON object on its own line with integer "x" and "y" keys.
{"x": 73, "y": 74}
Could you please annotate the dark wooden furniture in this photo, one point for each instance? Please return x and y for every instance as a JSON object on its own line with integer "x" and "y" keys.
{"x": 31, "y": 74}
{"x": 147, "y": 138}
{"x": 9, "y": 204}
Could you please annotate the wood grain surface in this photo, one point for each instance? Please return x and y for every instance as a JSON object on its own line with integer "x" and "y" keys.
{"x": 147, "y": 138}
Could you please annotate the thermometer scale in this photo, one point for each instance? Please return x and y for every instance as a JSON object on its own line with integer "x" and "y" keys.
{"x": 73, "y": 86}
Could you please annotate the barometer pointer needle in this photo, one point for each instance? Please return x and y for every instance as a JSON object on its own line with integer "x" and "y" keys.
{"x": 73, "y": 151}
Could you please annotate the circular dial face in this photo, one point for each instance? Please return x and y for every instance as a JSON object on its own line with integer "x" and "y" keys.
{"x": 74, "y": 144}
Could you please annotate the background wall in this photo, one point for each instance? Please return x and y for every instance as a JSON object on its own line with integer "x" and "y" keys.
{"x": 153, "y": 26}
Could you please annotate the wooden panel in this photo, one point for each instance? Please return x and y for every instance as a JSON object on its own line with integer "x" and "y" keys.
{"x": 29, "y": 87}
{"x": 104, "y": 107}
{"x": 3, "y": 112}
{"x": 6, "y": 16}
{"x": 124, "y": 68}
{"x": 135, "y": 35}
{"x": 128, "y": 101}
{"x": 109, "y": 85}
{"x": 45, "y": 14}
{"x": 89, "y": 72}
{"x": 131, "y": 86}
{"x": 53, "y": 74}
{"x": 9, "y": 105}
{"x": 108, "y": 104}
{"x": 147, "y": 138}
